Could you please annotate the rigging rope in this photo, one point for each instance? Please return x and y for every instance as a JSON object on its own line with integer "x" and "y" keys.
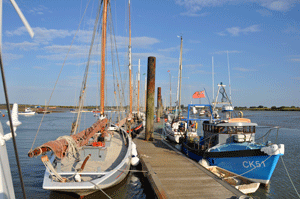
{"x": 60, "y": 73}
{"x": 51, "y": 169}
{"x": 84, "y": 82}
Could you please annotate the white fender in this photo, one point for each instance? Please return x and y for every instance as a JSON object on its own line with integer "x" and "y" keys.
{"x": 134, "y": 155}
{"x": 77, "y": 177}
{"x": 204, "y": 163}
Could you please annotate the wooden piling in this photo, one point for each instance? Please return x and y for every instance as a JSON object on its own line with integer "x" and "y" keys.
{"x": 150, "y": 99}
{"x": 158, "y": 114}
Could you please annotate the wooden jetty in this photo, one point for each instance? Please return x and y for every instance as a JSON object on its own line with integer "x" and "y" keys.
{"x": 173, "y": 175}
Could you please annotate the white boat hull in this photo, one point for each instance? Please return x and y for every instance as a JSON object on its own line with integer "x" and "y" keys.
{"x": 108, "y": 179}
{"x": 173, "y": 136}
{"x": 112, "y": 174}
{"x": 30, "y": 113}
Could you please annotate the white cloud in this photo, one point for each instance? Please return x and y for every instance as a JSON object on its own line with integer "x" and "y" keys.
{"x": 192, "y": 14}
{"x": 23, "y": 46}
{"x": 296, "y": 60}
{"x": 136, "y": 42}
{"x": 193, "y": 6}
{"x": 277, "y": 5}
{"x": 236, "y": 31}
{"x": 296, "y": 78}
{"x": 10, "y": 56}
{"x": 225, "y": 52}
{"x": 194, "y": 41}
{"x": 42, "y": 35}
{"x": 193, "y": 65}
{"x": 38, "y": 10}
{"x": 264, "y": 12}
{"x": 39, "y": 68}
{"x": 244, "y": 69}
{"x": 171, "y": 49}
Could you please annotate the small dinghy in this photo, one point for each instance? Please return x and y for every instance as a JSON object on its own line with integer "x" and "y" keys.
{"x": 244, "y": 185}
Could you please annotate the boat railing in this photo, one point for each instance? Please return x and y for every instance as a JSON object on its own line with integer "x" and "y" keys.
{"x": 269, "y": 132}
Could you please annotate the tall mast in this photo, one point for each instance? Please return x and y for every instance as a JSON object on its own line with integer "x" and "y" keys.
{"x": 103, "y": 46}
{"x": 129, "y": 66}
{"x": 170, "y": 91}
{"x": 138, "y": 95}
{"x": 180, "y": 74}
{"x": 145, "y": 92}
{"x": 229, "y": 76}
{"x": 213, "y": 78}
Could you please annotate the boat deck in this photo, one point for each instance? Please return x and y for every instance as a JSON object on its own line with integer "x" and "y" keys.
{"x": 173, "y": 175}
{"x": 114, "y": 155}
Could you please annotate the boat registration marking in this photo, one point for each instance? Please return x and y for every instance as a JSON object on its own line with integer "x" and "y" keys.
{"x": 254, "y": 164}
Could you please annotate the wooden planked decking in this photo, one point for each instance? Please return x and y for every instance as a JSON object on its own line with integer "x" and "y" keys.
{"x": 173, "y": 175}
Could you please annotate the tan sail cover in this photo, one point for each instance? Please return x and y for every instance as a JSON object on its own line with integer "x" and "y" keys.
{"x": 59, "y": 147}
{"x": 234, "y": 120}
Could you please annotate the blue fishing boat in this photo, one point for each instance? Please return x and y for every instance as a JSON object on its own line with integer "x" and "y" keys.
{"x": 230, "y": 144}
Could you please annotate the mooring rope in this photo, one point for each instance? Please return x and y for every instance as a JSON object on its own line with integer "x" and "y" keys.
{"x": 289, "y": 177}
{"x": 97, "y": 187}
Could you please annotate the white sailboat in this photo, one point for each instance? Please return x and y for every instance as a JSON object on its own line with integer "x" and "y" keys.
{"x": 6, "y": 185}
{"x": 175, "y": 128}
{"x": 27, "y": 112}
{"x": 93, "y": 159}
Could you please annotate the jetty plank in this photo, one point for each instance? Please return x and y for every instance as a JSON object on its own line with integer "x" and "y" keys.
{"x": 173, "y": 175}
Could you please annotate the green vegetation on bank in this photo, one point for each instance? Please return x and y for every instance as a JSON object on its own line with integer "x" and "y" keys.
{"x": 273, "y": 108}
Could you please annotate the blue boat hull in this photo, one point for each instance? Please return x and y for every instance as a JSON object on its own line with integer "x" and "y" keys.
{"x": 258, "y": 168}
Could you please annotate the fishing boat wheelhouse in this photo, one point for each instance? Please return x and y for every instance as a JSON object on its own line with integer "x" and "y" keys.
{"x": 230, "y": 144}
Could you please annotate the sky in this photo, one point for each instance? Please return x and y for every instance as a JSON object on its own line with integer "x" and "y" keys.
{"x": 262, "y": 38}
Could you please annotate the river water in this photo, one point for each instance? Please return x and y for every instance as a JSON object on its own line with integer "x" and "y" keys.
{"x": 136, "y": 185}
{"x": 53, "y": 126}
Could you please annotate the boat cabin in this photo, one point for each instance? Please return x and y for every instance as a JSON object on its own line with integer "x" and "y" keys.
{"x": 235, "y": 130}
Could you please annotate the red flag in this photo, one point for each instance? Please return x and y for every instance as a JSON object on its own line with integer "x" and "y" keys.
{"x": 199, "y": 94}
{"x": 168, "y": 70}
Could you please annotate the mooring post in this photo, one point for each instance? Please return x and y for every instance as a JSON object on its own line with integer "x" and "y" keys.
{"x": 158, "y": 114}
{"x": 150, "y": 99}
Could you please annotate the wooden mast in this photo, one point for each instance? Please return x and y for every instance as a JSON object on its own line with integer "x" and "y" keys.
{"x": 103, "y": 46}
{"x": 129, "y": 66}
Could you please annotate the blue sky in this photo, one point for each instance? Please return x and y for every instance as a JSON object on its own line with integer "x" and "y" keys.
{"x": 261, "y": 36}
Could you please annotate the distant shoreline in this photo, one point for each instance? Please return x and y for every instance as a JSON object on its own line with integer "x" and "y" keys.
{"x": 267, "y": 109}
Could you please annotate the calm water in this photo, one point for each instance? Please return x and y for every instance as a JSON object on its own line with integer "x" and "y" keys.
{"x": 53, "y": 126}
{"x": 136, "y": 186}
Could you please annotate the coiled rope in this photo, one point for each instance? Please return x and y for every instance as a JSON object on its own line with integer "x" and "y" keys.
{"x": 72, "y": 150}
